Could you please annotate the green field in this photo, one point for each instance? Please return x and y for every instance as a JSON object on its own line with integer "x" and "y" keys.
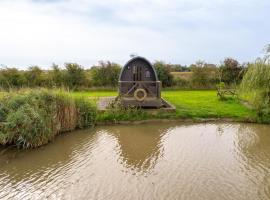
{"x": 193, "y": 104}
{"x": 183, "y": 75}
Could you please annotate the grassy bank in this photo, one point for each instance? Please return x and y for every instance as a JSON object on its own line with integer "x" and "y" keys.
{"x": 192, "y": 104}
{"x": 32, "y": 118}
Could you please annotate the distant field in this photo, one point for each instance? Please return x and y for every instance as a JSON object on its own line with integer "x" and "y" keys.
{"x": 193, "y": 104}
{"x": 183, "y": 75}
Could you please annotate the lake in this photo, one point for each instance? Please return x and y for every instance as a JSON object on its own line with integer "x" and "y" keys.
{"x": 146, "y": 161}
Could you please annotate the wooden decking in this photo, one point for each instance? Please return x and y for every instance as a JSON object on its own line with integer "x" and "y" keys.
{"x": 104, "y": 102}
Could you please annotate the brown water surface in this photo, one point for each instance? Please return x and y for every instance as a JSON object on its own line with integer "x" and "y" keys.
{"x": 150, "y": 161}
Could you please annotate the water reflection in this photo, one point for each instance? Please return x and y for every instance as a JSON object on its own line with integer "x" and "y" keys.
{"x": 149, "y": 161}
{"x": 140, "y": 146}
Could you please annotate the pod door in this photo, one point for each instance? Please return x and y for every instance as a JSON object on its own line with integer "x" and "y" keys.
{"x": 137, "y": 73}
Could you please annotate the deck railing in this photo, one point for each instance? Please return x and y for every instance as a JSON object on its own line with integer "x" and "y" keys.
{"x": 133, "y": 85}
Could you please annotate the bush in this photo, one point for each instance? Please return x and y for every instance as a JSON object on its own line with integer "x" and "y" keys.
{"x": 33, "y": 118}
{"x": 27, "y": 127}
{"x": 74, "y": 76}
{"x": 181, "y": 83}
{"x": 164, "y": 73}
{"x": 35, "y": 77}
{"x": 11, "y": 77}
{"x": 204, "y": 76}
{"x": 56, "y": 76}
{"x": 106, "y": 74}
{"x": 231, "y": 71}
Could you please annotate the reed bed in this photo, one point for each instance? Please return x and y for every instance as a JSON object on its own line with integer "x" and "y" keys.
{"x": 32, "y": 118}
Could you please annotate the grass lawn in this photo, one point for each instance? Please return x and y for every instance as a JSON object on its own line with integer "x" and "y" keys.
{"x": 193, "y": 104}
{"x": 205, "y": 104}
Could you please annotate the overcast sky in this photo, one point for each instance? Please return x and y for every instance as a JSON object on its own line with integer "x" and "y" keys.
{"x": 40, "y": 32}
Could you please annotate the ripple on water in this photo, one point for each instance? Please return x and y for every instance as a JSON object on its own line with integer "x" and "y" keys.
{"x": 150, "y": 161}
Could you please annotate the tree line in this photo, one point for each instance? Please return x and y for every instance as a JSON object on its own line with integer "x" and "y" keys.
{"x": 75, "y": 77}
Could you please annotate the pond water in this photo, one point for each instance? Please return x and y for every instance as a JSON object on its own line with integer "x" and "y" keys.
{"x": 149, "y": 161}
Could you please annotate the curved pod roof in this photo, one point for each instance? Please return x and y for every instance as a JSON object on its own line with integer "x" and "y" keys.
{"x": 126, "y": 72}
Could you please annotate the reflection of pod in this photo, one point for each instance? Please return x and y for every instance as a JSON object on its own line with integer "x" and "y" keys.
{"x": 140, "y": 94}
{"x": 140, "y": 146}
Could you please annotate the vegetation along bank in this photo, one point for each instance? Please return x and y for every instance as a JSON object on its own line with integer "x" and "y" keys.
{"x": 32, "y": 117}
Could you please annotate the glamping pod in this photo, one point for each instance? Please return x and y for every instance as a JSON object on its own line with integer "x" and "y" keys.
{"x": 139, "y": 85}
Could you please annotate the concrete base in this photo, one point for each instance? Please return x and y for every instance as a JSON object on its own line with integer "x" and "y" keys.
{"x": 147, "y": 103}
{"x": 104, "y": 102}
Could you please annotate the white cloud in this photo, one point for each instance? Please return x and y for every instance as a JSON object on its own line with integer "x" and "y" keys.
{"x": 42, "y": 32}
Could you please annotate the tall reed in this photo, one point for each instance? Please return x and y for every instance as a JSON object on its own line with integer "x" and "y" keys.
{"x": 32, "y": 118}
{"x": 256, "y": 86}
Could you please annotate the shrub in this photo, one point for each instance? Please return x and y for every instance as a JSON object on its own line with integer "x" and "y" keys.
{"x": 56, "y": 76}
{"x": 74, "y": 76}
{"x": 181, "y": 83}
{"x": 231, "y": 71}
{"x": 35, "y": 77}
{"x": 33, "y": 118}
{"x": 204, "y": 75}
{"x": 106, "y": 74}
{"x": 27, "y": 127}
{"x": 164, "y": 73}
{"x": 11, "y": 77}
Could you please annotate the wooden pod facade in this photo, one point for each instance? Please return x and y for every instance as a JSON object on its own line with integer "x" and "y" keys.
{"x": 139, "y": 84}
